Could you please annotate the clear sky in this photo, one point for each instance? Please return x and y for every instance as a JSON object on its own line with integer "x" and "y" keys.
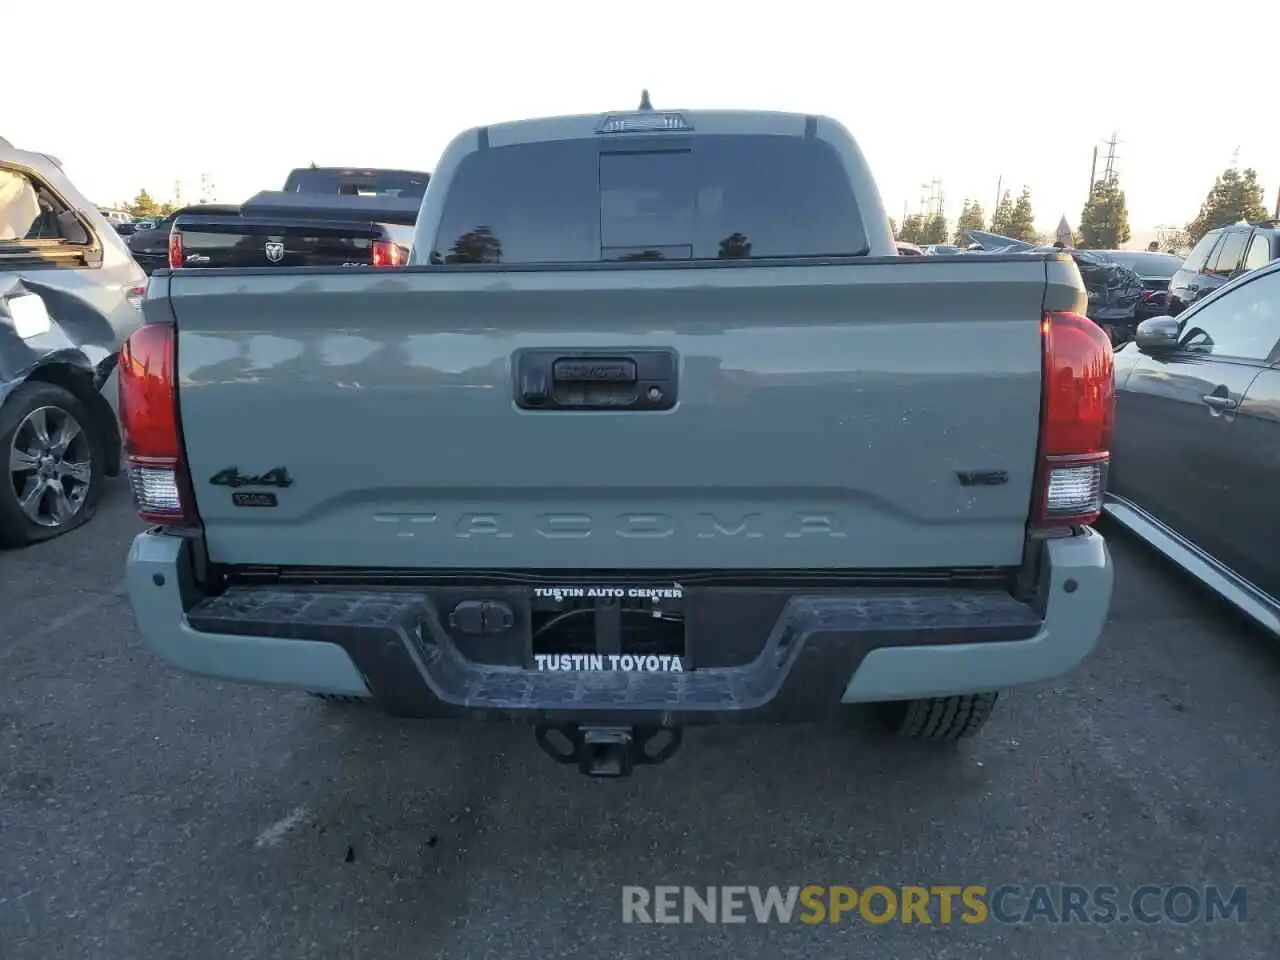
{"x": 143, "y": 94}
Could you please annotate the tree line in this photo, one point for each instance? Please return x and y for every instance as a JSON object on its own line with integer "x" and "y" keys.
{"x": 1104, "y": 221}
{"x": 143, "y": 207}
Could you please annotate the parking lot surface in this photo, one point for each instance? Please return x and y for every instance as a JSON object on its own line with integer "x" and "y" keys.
{"x": 147, "y": 814}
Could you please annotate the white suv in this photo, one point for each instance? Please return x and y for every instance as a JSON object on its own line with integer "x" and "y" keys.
{"x": 70, "y": 294}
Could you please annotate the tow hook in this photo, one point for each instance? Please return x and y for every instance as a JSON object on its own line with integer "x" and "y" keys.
{"x": 608, "y": 751}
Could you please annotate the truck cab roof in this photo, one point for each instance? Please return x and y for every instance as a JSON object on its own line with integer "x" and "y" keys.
{"x": 357, "y": 181}
{"x": 671, "y": 122}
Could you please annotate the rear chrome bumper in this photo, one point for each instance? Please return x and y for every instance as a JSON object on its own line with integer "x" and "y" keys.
{"x": 866, "y": 645}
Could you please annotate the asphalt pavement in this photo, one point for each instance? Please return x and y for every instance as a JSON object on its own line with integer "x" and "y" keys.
{"x": 147, "y": 814}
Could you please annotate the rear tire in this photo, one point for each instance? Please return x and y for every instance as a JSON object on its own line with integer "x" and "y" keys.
{"x": 48, "y": 438}
{"x": 939, "y": 719}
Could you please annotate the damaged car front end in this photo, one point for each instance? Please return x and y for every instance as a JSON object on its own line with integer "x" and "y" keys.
{"x": 1115, "y": 292}
{"x": 70, "y": 293}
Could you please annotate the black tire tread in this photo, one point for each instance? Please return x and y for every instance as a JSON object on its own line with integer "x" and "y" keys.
{"x": 941, "y": 719}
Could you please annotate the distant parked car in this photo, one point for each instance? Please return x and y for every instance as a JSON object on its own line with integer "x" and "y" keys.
{"x": 941, "y": 250}
{"x": 1220, "y": 256}
{"x": 358, "y": 182}
{"x": 906, "y": 249}
{"x": 1155, "y": 270}
{"x": 1193, "y": 455}
{"x": 1115, "y": 291}
{"x": 151, "y": 247}
{"x": 69, "y": 296}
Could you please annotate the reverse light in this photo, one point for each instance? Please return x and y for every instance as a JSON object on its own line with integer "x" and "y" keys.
{"x": 175, "y": 248}
{"x": 148, "y": 403}
{"x": 1077, "y": 416}
{"x": 388, "y": 254}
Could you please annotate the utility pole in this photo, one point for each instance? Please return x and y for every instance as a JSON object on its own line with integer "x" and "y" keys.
{"x": 999, "y": 184}
{"x": 1171, "y": 237}
{"x": 1093, "y": 169}
{"x": 1109, "y": 170}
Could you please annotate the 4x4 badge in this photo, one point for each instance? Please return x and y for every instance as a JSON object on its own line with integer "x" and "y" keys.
{"x": 232, "y": 477}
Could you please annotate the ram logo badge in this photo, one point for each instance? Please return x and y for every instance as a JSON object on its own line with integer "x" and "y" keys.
{"x": 275, "y": 251}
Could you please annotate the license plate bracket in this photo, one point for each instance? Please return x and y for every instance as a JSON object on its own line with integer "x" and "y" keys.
{"x": 615, "y": 626}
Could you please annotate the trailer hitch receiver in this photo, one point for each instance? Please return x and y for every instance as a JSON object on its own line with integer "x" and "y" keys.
{"x": 608, "y": 751}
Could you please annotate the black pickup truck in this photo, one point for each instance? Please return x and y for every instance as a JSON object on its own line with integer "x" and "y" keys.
{"x": 324, "y": 217}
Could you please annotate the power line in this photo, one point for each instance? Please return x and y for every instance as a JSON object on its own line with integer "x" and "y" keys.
{"x": 932, "y": 199}
{"x": 208, "y": 190}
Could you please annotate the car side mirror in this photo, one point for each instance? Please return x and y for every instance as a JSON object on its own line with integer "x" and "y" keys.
{"x": 1157, "y": 335}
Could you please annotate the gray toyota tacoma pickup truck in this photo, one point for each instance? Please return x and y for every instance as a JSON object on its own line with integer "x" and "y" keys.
{"x": 654, "y": 430}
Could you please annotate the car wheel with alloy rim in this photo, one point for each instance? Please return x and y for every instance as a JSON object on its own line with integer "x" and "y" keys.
{"x": 54, "y": 464}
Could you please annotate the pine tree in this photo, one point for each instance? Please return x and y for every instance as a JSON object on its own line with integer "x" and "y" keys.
{"x": 1104, "y": 221}
{"x": 912, "y": 229}
{"x": 933, "y": 229}
{"x": 1002, "y": 217}
{"x": 1235, "y": 196}
{"x": 1022, "y": 221}
{"x": 971, "y": 218}
{"x": 143, "y": 205}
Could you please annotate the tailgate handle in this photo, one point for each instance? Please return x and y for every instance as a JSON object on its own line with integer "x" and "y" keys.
{"x": 595, "y": 379}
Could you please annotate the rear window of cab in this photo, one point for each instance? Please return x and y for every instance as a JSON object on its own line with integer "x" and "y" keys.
{"x": 708, "y": 197}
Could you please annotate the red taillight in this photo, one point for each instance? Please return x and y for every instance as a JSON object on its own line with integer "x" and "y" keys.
{"x": 175, "y": 249}
{"x": 1077, "y": 414}
{"x": 388, "y": 254}
{"x": 149, "y": 421}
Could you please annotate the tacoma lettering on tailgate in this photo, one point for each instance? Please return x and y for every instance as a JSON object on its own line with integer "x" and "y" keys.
{"x": 630, "y": 526}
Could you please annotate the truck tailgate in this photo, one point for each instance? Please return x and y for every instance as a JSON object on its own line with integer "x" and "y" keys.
{"x": 260, "y": 241}
{"x": 866, "y": 415}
